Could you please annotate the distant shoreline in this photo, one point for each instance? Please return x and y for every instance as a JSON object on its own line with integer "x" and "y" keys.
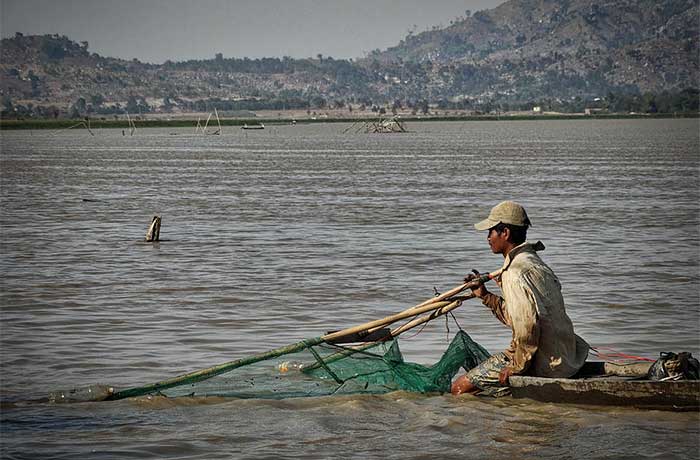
{"x": 186, "y": 122}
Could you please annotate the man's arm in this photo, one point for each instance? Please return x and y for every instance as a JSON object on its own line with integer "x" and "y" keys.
{"x": 495, "y": 303}
{"x": 497, "y": 306}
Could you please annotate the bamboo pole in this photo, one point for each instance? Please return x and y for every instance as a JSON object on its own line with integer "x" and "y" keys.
{"x": 350, "y": 127}
{"x": 217, "y": 121}
{"x": 204, "y": 130}
{"x": 438, "y": 305}
{"x": 80, "y": 123}
{"x": 88, "y": 126}
{"x": 384, "y": 321}
{"x": 440, "y": 311}
{"x": 209, "y": 372}
{"x": 132, "y": 125}
{"x": 434, "y": 314}
{"x": 457, "y": 289}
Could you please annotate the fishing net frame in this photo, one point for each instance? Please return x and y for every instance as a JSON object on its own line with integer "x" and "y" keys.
{"x": 324, "y": 365}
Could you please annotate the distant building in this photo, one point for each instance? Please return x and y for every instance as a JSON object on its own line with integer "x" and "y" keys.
{"x": 537, "y": 109}
{"x": 592, "y": 110}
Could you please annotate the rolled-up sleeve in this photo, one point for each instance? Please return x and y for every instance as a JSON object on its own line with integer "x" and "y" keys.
{"x": 497, "y": 306}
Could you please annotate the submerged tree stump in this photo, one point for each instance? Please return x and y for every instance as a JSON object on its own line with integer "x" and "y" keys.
{"x": 153, "y": 233}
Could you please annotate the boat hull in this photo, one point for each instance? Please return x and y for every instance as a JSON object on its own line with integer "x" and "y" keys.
{"x": 617, "y": 391}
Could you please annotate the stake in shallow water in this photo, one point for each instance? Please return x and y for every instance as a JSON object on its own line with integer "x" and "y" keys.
{"x": 153, "y": 233}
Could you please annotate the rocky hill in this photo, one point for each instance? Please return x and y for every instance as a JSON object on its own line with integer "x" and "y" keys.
{"x": 558, "y": 53}
{"x": 55, "y": 73}
{"x": 559, "y": 48}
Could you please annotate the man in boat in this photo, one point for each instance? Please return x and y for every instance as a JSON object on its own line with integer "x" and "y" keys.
{"x": 543, "y": 342}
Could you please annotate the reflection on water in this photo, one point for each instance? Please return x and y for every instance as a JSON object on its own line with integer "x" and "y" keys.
{"x": 273, "y": 236}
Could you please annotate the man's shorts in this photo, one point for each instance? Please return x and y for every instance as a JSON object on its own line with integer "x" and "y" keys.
{"x": 485, "y": 376}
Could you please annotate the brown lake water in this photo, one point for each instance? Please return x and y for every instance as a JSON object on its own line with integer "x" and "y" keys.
{"x": 272, "y": 236}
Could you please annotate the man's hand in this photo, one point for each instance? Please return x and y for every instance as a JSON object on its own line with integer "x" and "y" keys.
{"x": 479, "y": 291}
{"x": 504, "y": 375}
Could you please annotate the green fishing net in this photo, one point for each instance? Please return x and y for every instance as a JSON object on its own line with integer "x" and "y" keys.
{"x": 316, "y": 368}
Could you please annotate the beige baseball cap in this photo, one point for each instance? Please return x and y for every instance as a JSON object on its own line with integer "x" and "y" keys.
{"x": 506, "y": 212}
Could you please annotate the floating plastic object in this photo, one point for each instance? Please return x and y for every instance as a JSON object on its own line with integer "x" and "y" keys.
{"x": 96, "y": 392}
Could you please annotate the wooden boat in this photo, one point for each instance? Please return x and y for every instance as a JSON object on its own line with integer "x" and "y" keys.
{"x": 247, "y": 126}
{"x": 601, "y": 383}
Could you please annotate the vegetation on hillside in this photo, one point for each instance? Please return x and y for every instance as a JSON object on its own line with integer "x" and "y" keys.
{"x": 558, "y": 55}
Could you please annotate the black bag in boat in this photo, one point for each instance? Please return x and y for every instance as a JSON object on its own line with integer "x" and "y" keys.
{"x": 672, "y": 366}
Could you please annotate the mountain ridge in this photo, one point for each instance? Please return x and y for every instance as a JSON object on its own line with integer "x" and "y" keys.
{"x": 572, "y": 38}
{"x": 555, "y": 52}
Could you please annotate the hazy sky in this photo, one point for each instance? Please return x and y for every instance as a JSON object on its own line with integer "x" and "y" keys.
{"x": 156, "y": 30}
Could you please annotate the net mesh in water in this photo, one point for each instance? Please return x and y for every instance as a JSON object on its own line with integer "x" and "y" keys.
{"x": 316, "y": 368}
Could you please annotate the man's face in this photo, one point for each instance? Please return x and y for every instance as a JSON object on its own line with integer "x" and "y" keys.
{"x": 497, "y": 242}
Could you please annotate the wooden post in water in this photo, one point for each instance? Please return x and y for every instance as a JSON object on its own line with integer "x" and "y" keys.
{"x": 132, "y": 125}
{"x": 153, "y": 233}
{"x": 206, "y": 125}
{"x": 218, "y": 131}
